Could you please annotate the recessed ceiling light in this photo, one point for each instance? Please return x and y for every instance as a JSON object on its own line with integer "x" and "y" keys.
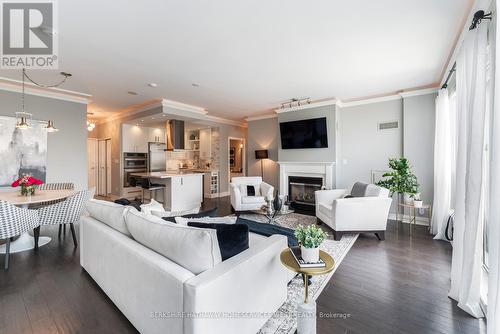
{"x": 142, "y": 120}
{"x": 152, "y": 84}
{"x": 152, "y": 118}
{"x": 195, "y": 84}
{"x": 132, "y": 92}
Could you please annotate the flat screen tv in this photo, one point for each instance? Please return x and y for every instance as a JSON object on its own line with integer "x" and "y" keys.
{"x": 308, "y": 133}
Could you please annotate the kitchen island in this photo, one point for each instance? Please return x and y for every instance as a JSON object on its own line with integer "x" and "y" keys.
{"x": 183, "y": 190}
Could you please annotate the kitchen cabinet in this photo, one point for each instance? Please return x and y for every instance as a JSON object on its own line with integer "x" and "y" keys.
{"x": 156, "y": 135}
{"x": 205, "y": 144}
{"x": 134, "y": 138}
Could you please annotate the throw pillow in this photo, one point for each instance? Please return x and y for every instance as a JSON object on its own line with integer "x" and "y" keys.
{"x": 207, "y": 213}
{"x": 232, "y": 238}
{"x": 152, "y": 206}
{"x": 250, "y": 189}
{"x": 195, "y": 249}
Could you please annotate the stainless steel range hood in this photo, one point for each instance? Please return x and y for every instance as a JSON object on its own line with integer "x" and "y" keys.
{"x": 175, "y": 135}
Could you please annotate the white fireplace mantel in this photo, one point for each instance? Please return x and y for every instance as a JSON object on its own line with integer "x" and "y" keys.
{"x": 305, "y": 169}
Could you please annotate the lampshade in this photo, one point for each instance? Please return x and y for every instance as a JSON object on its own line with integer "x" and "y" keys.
{"x": 261, "y": 154}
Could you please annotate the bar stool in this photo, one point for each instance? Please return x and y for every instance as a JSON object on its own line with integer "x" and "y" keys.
{"x": 151, "y": 187}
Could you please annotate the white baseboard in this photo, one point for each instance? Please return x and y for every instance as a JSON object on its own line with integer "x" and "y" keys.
{"x": 406, "y": 219}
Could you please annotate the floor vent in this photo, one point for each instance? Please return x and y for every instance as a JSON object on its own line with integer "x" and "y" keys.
{"x": 388, "y": 125}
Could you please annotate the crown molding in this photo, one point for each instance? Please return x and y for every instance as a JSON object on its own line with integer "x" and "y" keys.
{"x": 308, "y": 106}
{"x": 369, "y": 101}
{"x": 184, "y": 107}
{"x": 418, "y": 92}
{"x": 257, "y": 118}
{"x": 225, "y": 121}
{"x": 15, "y": 86}
{"x": 133, "y": 110}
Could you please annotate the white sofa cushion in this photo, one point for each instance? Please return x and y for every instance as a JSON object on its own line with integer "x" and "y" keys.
{"x": 109, "y": 213}
{"x": 252, "y": 199}
{"x": 152, "y": 206}
{"x": 326, "y": 209}
{"x": 195, "y": 249}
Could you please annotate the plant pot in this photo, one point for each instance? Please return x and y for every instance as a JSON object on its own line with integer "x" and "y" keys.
{"x": 407, "y": 198}
{"x": 417, "y": 204}
{"x": 310, "y": 255}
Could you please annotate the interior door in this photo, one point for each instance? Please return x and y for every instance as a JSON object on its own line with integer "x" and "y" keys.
{"x": 108, "y": 167}
{"x": 92, "y": 162}
{"x": 101, "y": 188}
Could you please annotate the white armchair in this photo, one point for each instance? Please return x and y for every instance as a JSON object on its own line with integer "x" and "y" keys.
{"x": 239, "y": 198}
{"x": 366, "y": 211}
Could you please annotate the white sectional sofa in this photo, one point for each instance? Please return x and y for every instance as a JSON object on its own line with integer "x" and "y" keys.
{"x": 159, "y": 295}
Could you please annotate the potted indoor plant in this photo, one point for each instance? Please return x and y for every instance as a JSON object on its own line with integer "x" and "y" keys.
{"x": 400, "y": 179}
{"x": 417, "y": 202}
{"x": 310, "y": 238}
{"x": 28, "y": 184}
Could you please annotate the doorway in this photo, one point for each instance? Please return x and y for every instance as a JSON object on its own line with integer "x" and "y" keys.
{"x": 236, "y": 157}
{"x": 104, "y": 166}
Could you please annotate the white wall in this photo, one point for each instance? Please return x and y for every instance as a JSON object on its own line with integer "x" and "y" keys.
{"x": 418, "y": 140}
{"x": 264, "y": 135}
{"x": 362, "y": 146}
{"x": 67, "y": 148}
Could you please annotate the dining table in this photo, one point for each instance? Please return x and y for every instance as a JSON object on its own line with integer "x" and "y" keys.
{"x": 26, "y": 241}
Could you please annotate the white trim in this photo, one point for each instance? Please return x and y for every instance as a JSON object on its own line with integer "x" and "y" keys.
{"x": 183, "y": 106}
{"x": 225, "y": 121}
{"x": 418, "y": 92}
{"x": 131, "y": 112}
{"x": 369, "y": 101}
{"x": 15, "y": 86}
{"x": 308, "y": 106}
{"x": 257, "y": 118}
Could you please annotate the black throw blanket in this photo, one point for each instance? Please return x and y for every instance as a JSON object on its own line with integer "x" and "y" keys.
{"x": 267, "y": 230}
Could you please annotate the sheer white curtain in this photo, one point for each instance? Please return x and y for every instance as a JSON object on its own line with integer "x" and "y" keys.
{"x": 442, "y": 165}
{"x": 494, "y": 213}
{"x": 471, "y": 103}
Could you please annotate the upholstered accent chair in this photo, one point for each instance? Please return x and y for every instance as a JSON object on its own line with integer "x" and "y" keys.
{"x": 68, "y": 211}
{"x": 364, "y": 209}
{"x": 249, "y": 193}
{"x": 15, "y": 221}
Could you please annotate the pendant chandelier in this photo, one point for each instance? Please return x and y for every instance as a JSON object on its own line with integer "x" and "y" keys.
{"x": 23, "y": 118}
{"x": 90, "y": 122}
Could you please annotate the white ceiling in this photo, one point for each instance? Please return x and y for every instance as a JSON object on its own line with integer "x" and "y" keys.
{"x": 248, "y": 56}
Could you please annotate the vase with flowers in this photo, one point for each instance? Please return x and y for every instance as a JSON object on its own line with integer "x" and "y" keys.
{"x": 28, "y": 184}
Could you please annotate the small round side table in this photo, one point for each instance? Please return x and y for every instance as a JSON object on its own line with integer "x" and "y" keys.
{"x": 306, "y": 311}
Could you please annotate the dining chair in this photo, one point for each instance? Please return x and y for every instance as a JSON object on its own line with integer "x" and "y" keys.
{"x": 68, "y": 211}
{"x": 15, "y": 221}
{"x": 54, "y": 186}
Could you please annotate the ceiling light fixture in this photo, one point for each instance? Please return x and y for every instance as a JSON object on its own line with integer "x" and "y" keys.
{"x": 130, "y": 92}
{"x": 24, "y": 118}
{"x": 90, "y": 123}
{"x": 152, "y": 84}
{"x": 50, "y": 127}
{"x": 194, "y": 84}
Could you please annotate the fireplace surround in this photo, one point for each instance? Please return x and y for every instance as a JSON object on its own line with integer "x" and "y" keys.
{"x": 306, "y": 177}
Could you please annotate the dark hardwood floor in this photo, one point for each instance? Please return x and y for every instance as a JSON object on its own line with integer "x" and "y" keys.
{"x": 396, "y": 286}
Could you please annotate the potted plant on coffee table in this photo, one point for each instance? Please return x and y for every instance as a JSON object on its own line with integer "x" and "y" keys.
{"x": 310, "y": 238}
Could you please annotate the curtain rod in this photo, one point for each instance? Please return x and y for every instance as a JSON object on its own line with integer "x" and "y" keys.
{"x": 476, "y": 20}
{"x": 453, "y": 69}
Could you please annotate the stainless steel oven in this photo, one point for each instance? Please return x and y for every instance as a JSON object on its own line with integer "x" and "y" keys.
{"x": 133, "y": 163}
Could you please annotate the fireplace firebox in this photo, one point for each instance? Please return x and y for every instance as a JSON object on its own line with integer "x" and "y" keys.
{"x": 301, "y": 193}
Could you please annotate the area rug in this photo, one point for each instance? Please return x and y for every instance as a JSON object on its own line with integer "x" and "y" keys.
{"x": 284, "y": 321}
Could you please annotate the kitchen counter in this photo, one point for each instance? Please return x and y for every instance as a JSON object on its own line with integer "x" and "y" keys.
{"x": 165, "y": 174}
{"x": 182, "y": 191}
